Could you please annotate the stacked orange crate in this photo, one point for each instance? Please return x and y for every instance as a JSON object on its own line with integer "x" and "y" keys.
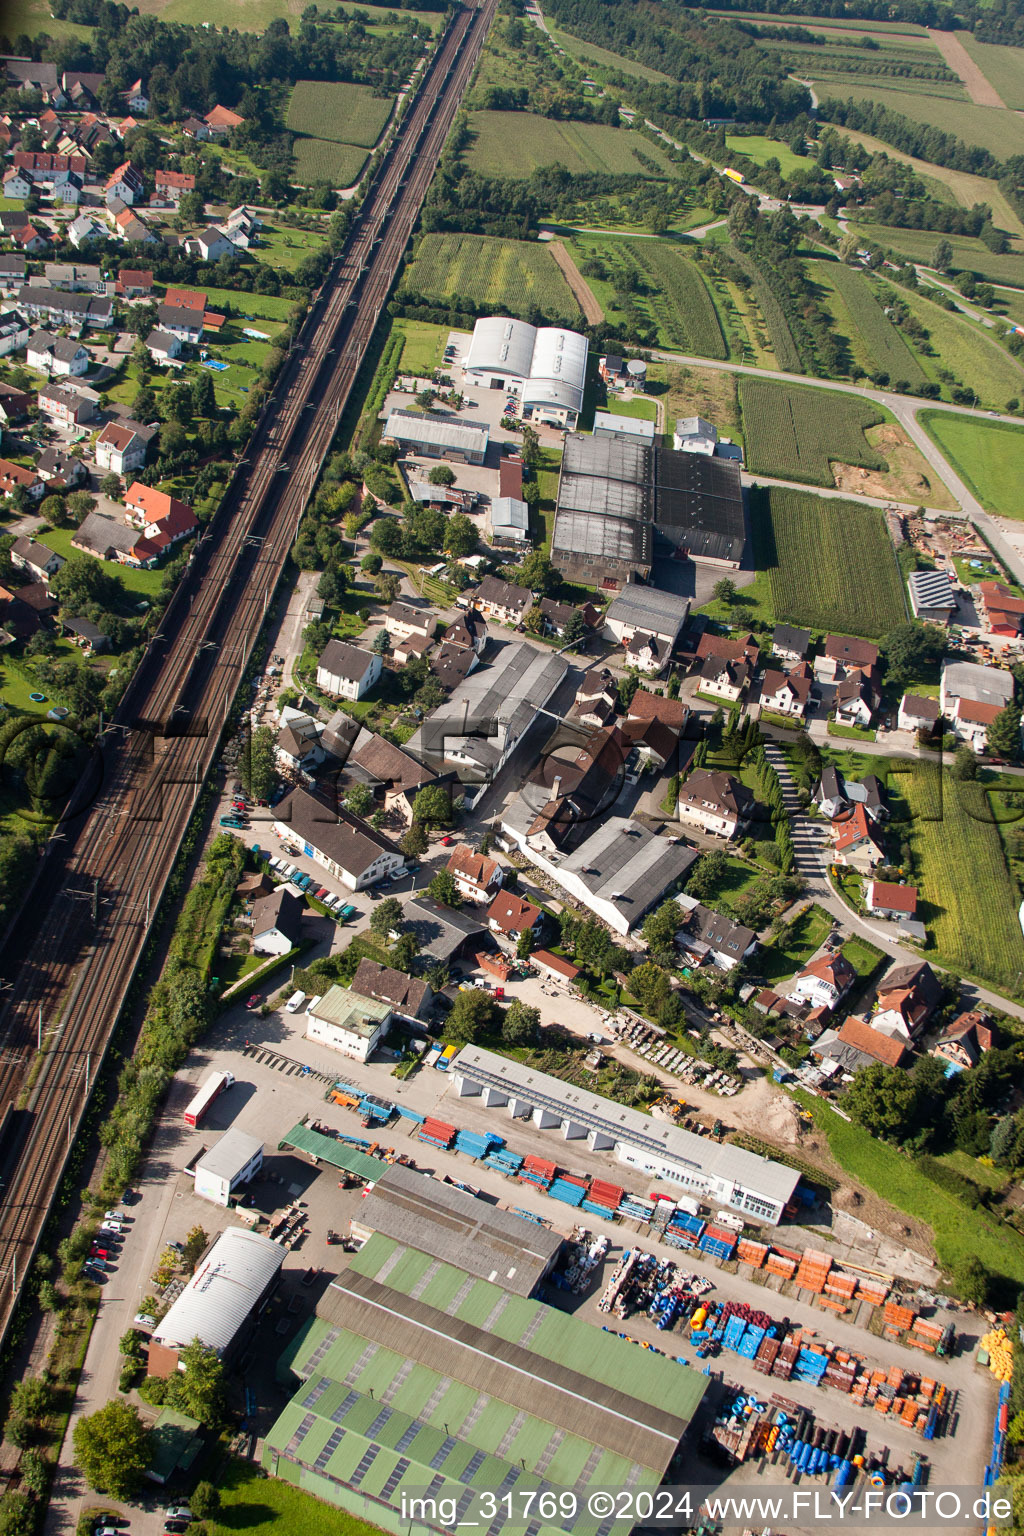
{"x": 749, "y": 1252}
{"x": 873, "y": 1291}
{"x": 813, "y": 1270}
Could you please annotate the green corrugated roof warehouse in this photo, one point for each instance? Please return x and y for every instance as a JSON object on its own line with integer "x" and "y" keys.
{"x": 416, "y": 1378}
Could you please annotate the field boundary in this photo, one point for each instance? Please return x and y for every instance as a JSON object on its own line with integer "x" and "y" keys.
{"x": 981, "y": 90}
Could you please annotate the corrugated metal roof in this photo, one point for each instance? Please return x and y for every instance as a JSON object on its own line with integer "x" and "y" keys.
{"x": 223, "y": 1291}
{"x": 227, "y": 1158}
{"x": 326, "y": 1149}
{"x": 454, "y": 1226}
{"x": 438, "y": 431}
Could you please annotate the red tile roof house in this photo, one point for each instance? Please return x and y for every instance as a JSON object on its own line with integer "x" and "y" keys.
{"x": 884, "y": 1048}
{"x": 842, "y": 652}
{"x": 163, "y": 520}
{"x": 857, "y": 841}
{"x": 1004, "y": 611}
{"x": 907, "y": 998}
{"x": 170, "y": 185}
{"x": 509, "y": 916}
{"x": 966, "y": 1039}
{"x": 134, "y": 283}
{"x": 787, "y": 693}
{"x": 890, "y": 900}
{"x": 728, "y": 648}
{"x": 221, "y": 120}
{"x": 478, "y": 877}
{"x": 12, "y": 476}
{"x": 825, "y": 981}
{"x": 554, "y": 967}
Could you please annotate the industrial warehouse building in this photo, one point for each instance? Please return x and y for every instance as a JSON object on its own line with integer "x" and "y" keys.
{"x": 222, "y": 1301}
{"x": 621, "y": 505}
{"x": 437, "y": 437}
{"x": 235, "y": 1159}
{"x": 719, "y": 1174}
{"x": 415, "y": 1377}
{"x": 453, "y": 1225}
{"x": 544, "y": 366}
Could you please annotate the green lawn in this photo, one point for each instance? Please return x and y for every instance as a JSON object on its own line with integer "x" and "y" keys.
{"x": 959, "y": 1232}
{"x": 251, "y": 1501}
{"x": 424, "y": 346}
{"x": 641, "y": 410}
{"x": 140, "y": 583}
{"x": 987, "y": 455}
{"x": 1000, "y": 132}
{"x": 756, "y": 147}
{"x": 811, "y": 929}
{"x": 961, "y": 346}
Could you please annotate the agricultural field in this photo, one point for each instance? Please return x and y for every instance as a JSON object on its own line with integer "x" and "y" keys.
{"x": 1003, "y": 68}
{"x": 874, "y": 340}
{"x": 968, "y": 352}
{"x": 830, "y": 563}
{"x": 969, "y": 254}
{"x": 692, "y": 391}
{"x": 506, "y": 276}
{"x": 987, "y": 455}
{"x": 342, "y": 113}
{"x": 324, "y": 160}
{"x": 999, "y": 131}
{"x": 971, "y": 922}
{"x": 839, "y": 25}
{"x": 783, "y": 344}
{"x": 501, "y": 139}
{"x": 798, "y": 434}
{"x": 667, "y": 285}
{"x": 590, "y": 53}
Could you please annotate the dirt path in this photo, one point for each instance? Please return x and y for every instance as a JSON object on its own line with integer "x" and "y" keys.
{"x": 961, "y": 63}
{"x": 584, "y": 294}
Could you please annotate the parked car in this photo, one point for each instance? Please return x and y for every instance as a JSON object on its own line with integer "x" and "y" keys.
{"x": 446, "y": 841}
{"x": 254, "y": 1001}
{"x": 232, "y": 821}
{"x": 295, "y": 1002}
{"x": 179, "y": 1512}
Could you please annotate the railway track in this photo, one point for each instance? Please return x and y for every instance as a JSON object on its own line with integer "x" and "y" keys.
{"x": 70, "y": 958}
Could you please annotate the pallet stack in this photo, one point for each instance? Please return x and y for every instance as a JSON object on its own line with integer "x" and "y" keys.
{"x": 718, "y": 1242}
{"x": 841, "y": 1372}
{"x": 476, "y": 1144}
{"x": 503, "y": 1161}
{"x": 873, "y": 1291}
{"x": 568, "y": 1188}
{"x": 812, "y": 1271}
{"x": 785, "y": 1360}
{"x": 896, "y": 1319}
{"x": 781, "y": 1264}
{"x": 683, "y": 1230}
{"x": 765, "y": 1357}
{"x": 749, "y": 1252}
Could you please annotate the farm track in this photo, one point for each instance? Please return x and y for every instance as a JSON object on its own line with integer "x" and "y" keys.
{"x": 977, "y": 86}
{"x": 69, "y": 959}
{"x": 582, "y": 291}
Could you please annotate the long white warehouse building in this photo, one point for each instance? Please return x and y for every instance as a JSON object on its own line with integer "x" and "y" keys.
{"x": 720, "y": 1174}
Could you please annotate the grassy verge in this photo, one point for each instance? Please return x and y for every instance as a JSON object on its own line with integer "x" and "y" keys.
{"x": 959, "y": 1232}
{"x": 853, "y": 732}
{"x": 250, "y": 1500}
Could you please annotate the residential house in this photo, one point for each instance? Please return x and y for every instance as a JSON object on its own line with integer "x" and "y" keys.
{"x": 134, "y": 283}
{"x": 477, "y": 876}
{"x": 122, "y": 446}
{"x": 210, "y": 245}
{"x": 653, "y": 742}
{"x": 824, "y": 982}
{"x": 596, "y": 698}
{"x": 452, "y": 664}
{"x": 195, "y": 128}
{"x": 858, "y": 694}
{"x": 404, "y": 651}
{"x": 14, "y": 404}
{"x": 966, "y": 1039}
{"x": 402, "y": 620}
{"x": 18, "y": 621}
{"x": 648, "y": 653}
{"x": 88, "y": 636}
{"x": 835, "y": 793}
{"x": 76, "y": 277}
{"x": 61, "y": 471}
{"x": 36, "y": 594}
{"x": 885, "y": 899}
{"x": 856, "y": 840}
{"x": 788, "y": 693}
{"x": 656, "y": 706}
{"x": 220, "y": 120}
{"x": 612, "y": 370}
{"x": 186, "y": 324}
{"x": 907, "y": 998}
{"x": 917, "y": 713}
{"x": 107, "y": 538}
{"x": 277, "y": 922}
{"x": 707, "y": 935}
{"x": 13, "y": 478}
{"x": 695, "y": 435}
{"x": 648, "y": 611}
{"x": 171, "y": 187}
{"x": 858, "y": 1045}
{"x": 56, "y": 355}
{"x": 394, "y": 775}
{"x": 965, "y": 682}
{"x": 409, "y": 997}
{"x": 49, "y": 170}
{"x": 713, "y": 647}
{"x": 553, "y": 967}
{"x": 30, "y": 239}
{"x": 497, "y": 599}
{"x": 40, "y": 561}
{"x": 61, "y": 307}
{"x": 14, "y": 332}
{"x": 842, "y": 653}
{"x": 163, "y": 520}
{"x": 17, "y": 183}
{"x": 163, "y": 347}
{"x": 971, "y": 720}
{"x": 341, "y": 842}
{"x": 728, "y": 680}
{"x": 128, "y": 226}
{"x": 68, "y": 193}
{"x": 790, "y": 644}
{"x": 345, "y": 671}
{"x": 1003, "y": 611}
{"x": 716, "y": 802}
{"x": 12, "y": 274}
{"x": 469, "y": 631}
{"x": 125, "y": 185}
{"x": 509, "y": 916}
{"x": 28, "y": 75}
{"x": 83, "y": 230}
{"x": 298, "y": 749}
{"x": 135, "y": 96}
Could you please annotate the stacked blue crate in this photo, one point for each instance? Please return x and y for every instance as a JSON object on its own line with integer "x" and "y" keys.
{"x": 751, "y": 1341}
{"x": 734, "y": 1331}
{"x": 569, "y": 1194}
{"x": 810, "y": 1366}
{"x": 476, "y": 1144}
{"x": 503, "y": 1161}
